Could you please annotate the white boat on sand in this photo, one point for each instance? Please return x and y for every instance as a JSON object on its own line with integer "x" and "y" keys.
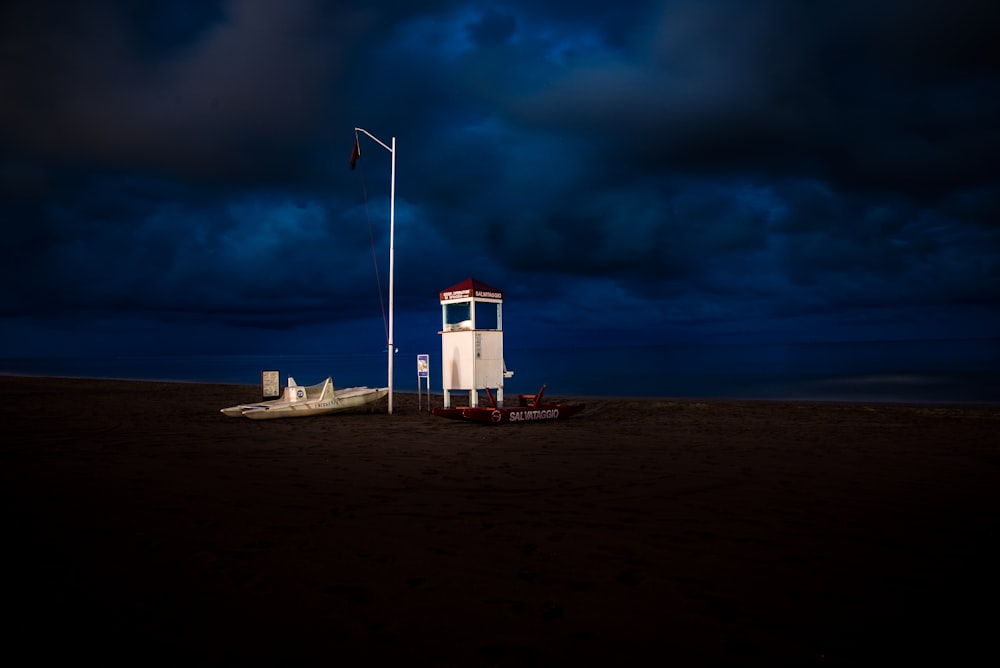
{"x": 305, "y": 400}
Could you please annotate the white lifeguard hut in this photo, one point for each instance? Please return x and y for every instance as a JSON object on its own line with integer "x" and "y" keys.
{"x": 472, "y": 340}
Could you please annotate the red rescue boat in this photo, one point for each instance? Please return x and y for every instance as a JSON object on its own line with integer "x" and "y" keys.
{"x": 530, "y": 408}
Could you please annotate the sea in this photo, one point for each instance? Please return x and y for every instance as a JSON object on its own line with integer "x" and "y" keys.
{"x": 966, "y": 371}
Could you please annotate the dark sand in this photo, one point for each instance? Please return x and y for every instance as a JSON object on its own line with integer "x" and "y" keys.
{"x": 144, "y": 527}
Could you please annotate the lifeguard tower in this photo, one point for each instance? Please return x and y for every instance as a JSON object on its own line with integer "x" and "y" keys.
{"x": 472, "y": 340}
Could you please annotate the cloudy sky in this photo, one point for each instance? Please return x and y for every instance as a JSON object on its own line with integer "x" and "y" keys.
{"x": 174, "y": 175}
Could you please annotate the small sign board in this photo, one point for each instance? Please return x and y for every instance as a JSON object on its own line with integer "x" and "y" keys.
{"x": 270, "y": 384}
{"x": 423, "y": 376}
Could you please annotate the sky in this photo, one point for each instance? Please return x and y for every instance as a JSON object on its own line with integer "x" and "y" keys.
{"x": 175, "y": 175}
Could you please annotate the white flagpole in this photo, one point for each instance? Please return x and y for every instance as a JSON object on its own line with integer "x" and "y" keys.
{"x": 392, "y": 237}
{"x": 392, "y": 261}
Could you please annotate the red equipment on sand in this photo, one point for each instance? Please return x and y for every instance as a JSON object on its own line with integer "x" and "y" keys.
{"x": 529, "y": 409}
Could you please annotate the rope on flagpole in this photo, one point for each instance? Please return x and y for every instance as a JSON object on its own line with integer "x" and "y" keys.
{"x": 371, "y": 233}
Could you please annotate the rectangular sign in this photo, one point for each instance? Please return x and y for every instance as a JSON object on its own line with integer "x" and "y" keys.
{"x": 270, "y": 384}
{"x": 423, "y": 366}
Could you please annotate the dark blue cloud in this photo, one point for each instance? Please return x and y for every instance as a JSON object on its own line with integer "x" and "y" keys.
{"x": 493, "y": 27}
{"x": 770, "y": 170}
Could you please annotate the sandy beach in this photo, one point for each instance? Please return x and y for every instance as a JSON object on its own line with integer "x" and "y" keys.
{"x": 144, "y": 527}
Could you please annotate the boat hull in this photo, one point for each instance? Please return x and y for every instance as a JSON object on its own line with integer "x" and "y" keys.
{"x": 319, "y": 408}
{"x": 511, "y": 415}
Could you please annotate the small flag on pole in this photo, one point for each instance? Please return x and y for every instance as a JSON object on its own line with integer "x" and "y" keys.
{"x": 356, "y": 153}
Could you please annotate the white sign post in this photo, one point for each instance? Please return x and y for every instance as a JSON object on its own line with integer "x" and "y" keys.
{"x": 423, "y": 376}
